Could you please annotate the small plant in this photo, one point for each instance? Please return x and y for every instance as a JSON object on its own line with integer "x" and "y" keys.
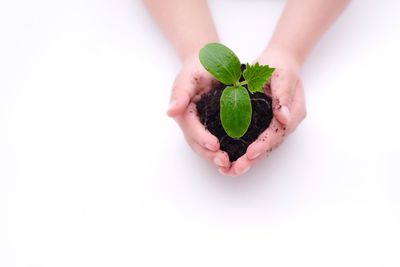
{"x": 235, "y": 103}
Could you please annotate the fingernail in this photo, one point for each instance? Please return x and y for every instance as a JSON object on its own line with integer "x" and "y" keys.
{"x": 286, "y": 113}
{"x": 255, "y": 156}
{"x": 244, "y": 170}
{"x": 209, "y": 147}
{"x": 218, "y": 162}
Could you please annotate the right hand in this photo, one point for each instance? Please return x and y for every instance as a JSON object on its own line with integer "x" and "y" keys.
{"x": 289, "y": 109}
{"x": 191, "y": 82}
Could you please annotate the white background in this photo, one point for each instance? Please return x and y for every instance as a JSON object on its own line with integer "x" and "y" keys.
{"x": 92, "y": 172}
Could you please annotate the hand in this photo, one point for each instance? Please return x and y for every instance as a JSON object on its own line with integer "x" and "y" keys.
{"x": 191, "y": 82}
{"x": 289, "y": 110}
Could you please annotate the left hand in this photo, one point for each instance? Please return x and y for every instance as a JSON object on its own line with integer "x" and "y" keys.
{"x": 191, "y": 82}
{"x": 289, "y": 110}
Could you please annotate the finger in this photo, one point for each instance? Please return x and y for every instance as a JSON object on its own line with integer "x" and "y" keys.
{"x": 282, "y": 88}
{"x": 277, "y": 132}
{"x": 192, "y": 127}
{"x": 268, "y": 140}
{"x": 224, "y": 171}
{"x": 184, "y": 89}
{"x": 241, "y": 166}
{"x": 219, "y": 158}
{"x": 238, "y": 168}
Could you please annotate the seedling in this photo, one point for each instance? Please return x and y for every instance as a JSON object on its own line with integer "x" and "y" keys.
{"x": 235, "y": 103}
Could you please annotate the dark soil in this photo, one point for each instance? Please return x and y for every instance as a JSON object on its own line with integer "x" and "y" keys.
{"x": 208, "y": 109}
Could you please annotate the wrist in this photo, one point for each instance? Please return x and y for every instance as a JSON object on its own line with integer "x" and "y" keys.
{"x": 191, "y": 51}
{"x": 281, "y": 57}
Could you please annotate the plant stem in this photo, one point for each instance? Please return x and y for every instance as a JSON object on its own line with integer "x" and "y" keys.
{"x": 237, "y": 84}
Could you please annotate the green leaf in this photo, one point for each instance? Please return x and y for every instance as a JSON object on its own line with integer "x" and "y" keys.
{"x": 221, "y": 62}
{"x": 235, "y": 111}
{"x": 256, "y": 76}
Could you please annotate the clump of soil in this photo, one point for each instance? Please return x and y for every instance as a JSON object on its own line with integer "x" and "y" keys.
{"x": 208, "y": 110}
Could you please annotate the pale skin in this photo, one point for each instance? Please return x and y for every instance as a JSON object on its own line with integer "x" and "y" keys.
{"x": 189, "y": 26}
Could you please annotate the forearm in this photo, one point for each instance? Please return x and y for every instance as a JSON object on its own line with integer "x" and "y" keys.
{"x": 302, "y": 24}
{"x": 187, "y": 24}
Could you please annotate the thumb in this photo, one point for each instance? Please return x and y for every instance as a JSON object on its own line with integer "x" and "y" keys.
{"x": 178, "y": 105}
{"x": 282, "y": 88}
{"x": 182, "y": 92}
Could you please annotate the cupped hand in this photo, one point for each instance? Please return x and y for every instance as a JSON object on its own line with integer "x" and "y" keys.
{"x": 289, "y": 110}
{"x": 191, "y": 82}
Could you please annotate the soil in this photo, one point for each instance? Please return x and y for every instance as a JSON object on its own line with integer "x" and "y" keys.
{"x": 208, "y": 111}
